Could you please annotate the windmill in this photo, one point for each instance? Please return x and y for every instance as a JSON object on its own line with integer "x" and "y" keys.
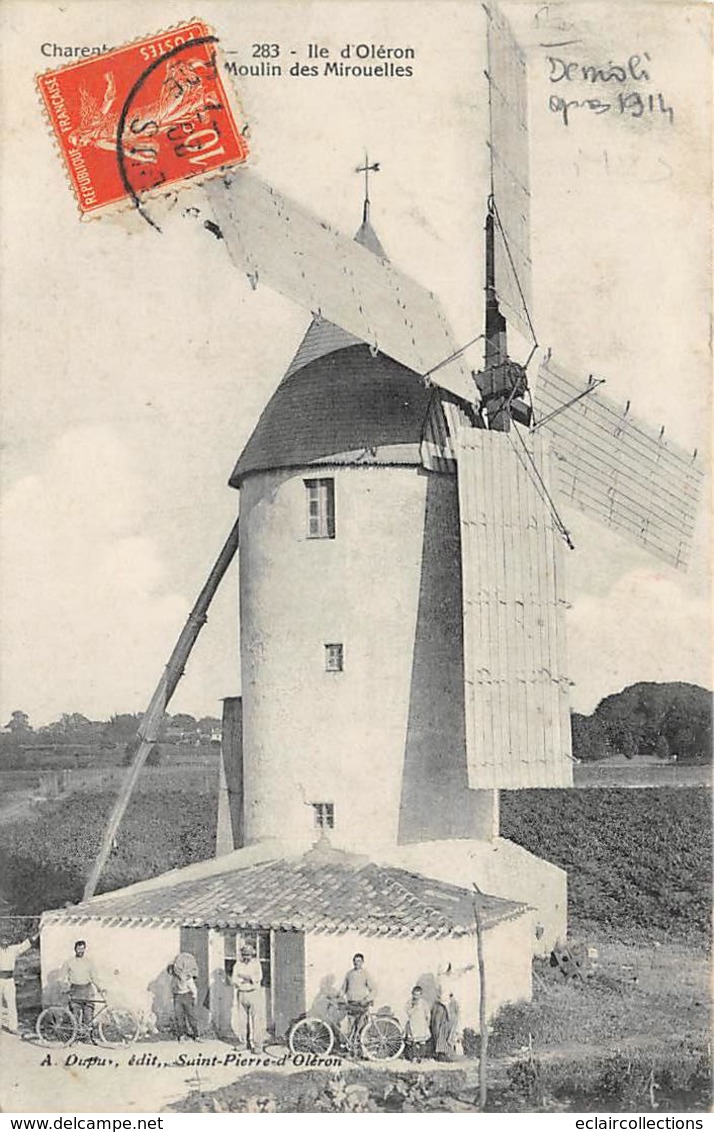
{"x": 392, "y": 709}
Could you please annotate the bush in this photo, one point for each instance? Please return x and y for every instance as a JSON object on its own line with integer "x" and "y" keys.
{"x": 676, "y": 1080}
{"x": 153, "y": 758}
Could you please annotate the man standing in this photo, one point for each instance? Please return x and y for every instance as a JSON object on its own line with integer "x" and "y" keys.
{"x": 80, "y": 975}
{"x": 9, "y": 952}
{"x": 247, "y": 977}
{"x": 358, "y": 990}
{"x": 184, "y": 972}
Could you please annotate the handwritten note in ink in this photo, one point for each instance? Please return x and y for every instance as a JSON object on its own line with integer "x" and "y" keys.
{"x": 620, "y": 89}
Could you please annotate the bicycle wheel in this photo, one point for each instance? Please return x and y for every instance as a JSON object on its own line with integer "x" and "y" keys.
{"x": 311, "y": 1035}
{"x": 275, "y": 1047}
{"x": 117, "y": 1027}
{"x": 381, "y": 1038}
{"x": 57, "y": 1026}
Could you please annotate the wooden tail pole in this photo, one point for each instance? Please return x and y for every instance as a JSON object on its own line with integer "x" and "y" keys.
{"x": 482, "y": 1025}
{"x": 148, "y": 730}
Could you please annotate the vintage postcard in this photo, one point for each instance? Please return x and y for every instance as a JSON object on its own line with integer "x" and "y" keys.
{"x": 355, "y": 748}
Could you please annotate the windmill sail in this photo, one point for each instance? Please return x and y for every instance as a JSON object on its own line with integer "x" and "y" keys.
{"x": 517, "y": 716}
{"x": 616, "y": 468}
{"x": 277, "y": 242}
{"x": 510, "y": 180}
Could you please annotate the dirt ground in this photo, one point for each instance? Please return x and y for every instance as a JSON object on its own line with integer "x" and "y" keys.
{"x": 86, "y": 1078}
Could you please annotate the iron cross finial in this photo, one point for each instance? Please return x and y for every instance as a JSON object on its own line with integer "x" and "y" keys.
{"x": 367, "y": 169}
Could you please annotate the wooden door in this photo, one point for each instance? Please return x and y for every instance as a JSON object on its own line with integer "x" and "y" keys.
{"x": 288, "y": 971}
{"x": 195, "y": 941}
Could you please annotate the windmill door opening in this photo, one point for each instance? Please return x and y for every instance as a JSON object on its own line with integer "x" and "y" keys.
{"x": 288, "y": 979}
{"x": 282, "y": 996}
{"x": 259, "y": 943}
{"x": 195, "y": 942}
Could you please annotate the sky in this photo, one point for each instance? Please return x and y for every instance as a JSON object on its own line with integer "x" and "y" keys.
{"x": 135, "y": 363}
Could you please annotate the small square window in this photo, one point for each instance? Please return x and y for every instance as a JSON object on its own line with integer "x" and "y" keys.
{"x": 324, "y": 815}
{"x": 320, "y": 496}
{"x": 334, "y": 658}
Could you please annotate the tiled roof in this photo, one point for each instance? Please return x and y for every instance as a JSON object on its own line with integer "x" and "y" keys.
{"x": 322, "y": 891}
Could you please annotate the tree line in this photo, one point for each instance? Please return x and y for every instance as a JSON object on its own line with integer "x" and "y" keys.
{"x": 74, "y": 729}
{"x": 667, "y": 721}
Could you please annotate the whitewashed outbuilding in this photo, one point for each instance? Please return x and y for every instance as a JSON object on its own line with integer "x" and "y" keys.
{"x": 306, "y": 915}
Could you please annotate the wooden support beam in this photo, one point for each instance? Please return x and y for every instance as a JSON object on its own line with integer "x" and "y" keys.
{"x": 148, "y": 731}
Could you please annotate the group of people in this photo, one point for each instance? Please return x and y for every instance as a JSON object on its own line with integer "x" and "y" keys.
{"x": 432, "y": 1029}
{"x": 78, "y": 976}
{"x": 84, "y": 985}
{"x": 245, "y": 979}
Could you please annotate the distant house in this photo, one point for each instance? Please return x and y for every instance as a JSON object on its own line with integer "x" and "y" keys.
{"x": 181, "y": 737}
{"x": 306, "y": 915}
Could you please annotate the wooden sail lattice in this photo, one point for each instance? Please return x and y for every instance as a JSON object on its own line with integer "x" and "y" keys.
{"x": 618, "y": 469}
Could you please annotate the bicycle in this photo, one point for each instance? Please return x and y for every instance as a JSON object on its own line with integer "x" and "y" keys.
{"x": 110, "y": 1026}
{"x": 375, "y": 1036}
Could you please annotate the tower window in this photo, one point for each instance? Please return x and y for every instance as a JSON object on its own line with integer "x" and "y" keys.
{"x": 334, "y": 658}
{"x": 324, "y": 815}
{"x": 320, "y": 508}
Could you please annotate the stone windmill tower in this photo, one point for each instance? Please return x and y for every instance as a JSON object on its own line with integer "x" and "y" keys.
{"x": 350, "y": 606}
{"x": 401, "y": 592}
{"x": 401, "y": 564}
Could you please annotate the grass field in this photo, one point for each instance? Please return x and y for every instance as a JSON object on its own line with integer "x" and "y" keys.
{"x": 639, "y": 862}
{"x": 640, "y": 773}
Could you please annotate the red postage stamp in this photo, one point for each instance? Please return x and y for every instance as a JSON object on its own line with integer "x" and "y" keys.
{"x": 143, "y": 117}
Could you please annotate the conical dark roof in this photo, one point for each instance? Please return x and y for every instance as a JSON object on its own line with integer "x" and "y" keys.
{"x": 348, "y": 406}
{"x": 339, "y": 402}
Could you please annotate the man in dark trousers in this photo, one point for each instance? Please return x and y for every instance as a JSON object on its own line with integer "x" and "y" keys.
{"x": 184, "y": 972}
{"x": 80, "y": 974}
{"x": 358, "y": 990}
